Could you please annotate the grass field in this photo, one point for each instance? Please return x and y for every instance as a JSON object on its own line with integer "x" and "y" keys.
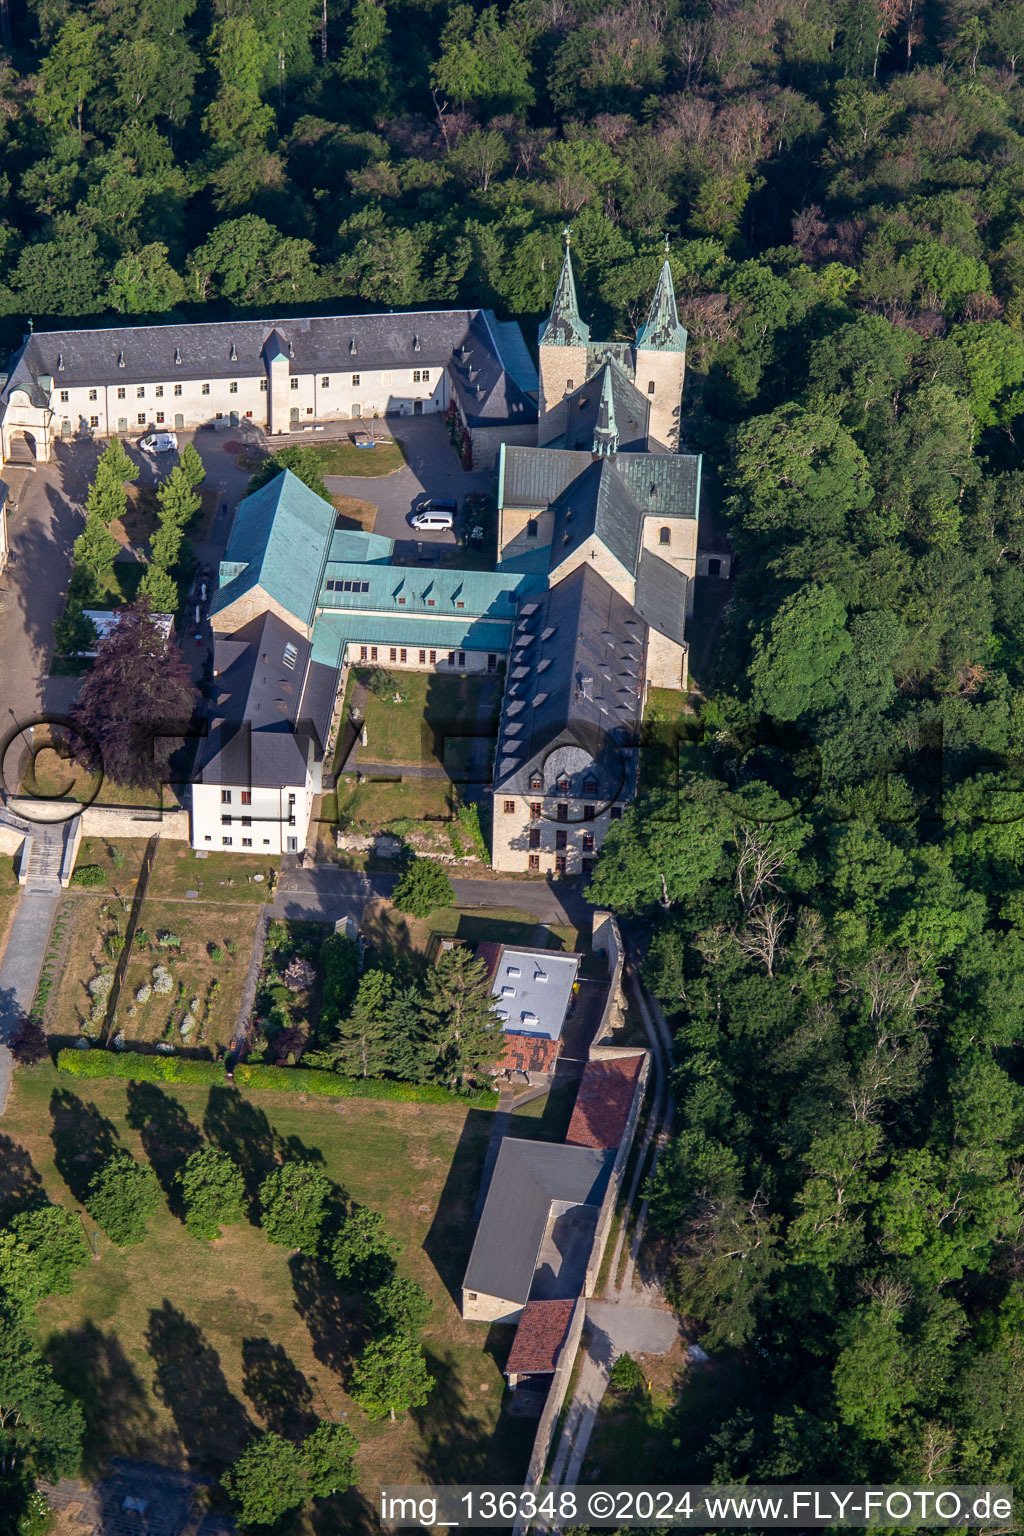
{"x": 49, "y": 776}
{"x": 376, "y": 803}
{"x": 354, "y": 513}
{"x": 342, "y": 457}
{"x": 179, "y": 1350}
{"x": 433, "y": 709}
{"x": 219, "y": 877}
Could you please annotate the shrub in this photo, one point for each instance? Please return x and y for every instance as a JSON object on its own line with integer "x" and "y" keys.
{"x": 167, "y": 940}
{"x": 162, "y": 982}
{"x": 293, "y": 1205}
{"x": 142, "y": 939}
{"x": 423, "y": 889}
{"x": 144, "y": 993}
{"x": 137, "y": 1067}
{"x": 215, "y": 953}
{"x": 300, "y": 975}
{"x": 88, "y": 875}
{"x": 29, "y": 1043}
{"x": 625, "y": 1376}
{"x": 117, "y": 858}
{"x": 121, "y": 1196}
{"x": 311, "y": 1080}
{"x": 399, "y": 1304}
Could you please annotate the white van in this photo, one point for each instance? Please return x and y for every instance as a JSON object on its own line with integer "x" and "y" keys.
{"x": 433, "y": 522}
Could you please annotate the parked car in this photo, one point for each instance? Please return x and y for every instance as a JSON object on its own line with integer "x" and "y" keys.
{"x": 434, "y": 518}
{"x": 159, "y": 442}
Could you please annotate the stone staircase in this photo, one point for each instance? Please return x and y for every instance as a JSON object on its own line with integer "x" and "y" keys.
{"x": 44, "y": 860}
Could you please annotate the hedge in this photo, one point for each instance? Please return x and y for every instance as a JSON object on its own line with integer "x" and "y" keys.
{"x": 175, "y": 1069}
{"x": 141, "y": 1068}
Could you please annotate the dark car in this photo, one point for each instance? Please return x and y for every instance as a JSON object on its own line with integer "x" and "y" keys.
{"x": 440, "y": 504}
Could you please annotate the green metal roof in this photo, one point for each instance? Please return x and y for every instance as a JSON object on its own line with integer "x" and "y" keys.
{"x": 333, "y": 631}
{"x": 662, "y": 331}
{"x": 354, "y": 545}
{"x": 282, "y": 533}
{"x": 433, "y": 593}
{"x": 564, "y": 327}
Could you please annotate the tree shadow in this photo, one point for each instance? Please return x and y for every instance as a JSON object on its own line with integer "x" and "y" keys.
{"x": 277, "y": 1389}
{"x": 350, "y": 1512}
{"x": 20, "y": 1184}
{"x": 93, "y": 1368}
{"x": 450, "y": 1239}
{"x": 168, "y": 1136}
{"x": 83, "y": 1140}
{"x": 334, "y": 1317}
{"x": 212, "y": 1424}
{"x": 458, "y": 1445}
{"x": 241, "y": 1130}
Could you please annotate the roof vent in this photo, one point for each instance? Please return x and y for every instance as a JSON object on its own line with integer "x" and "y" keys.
{"x": 233, "y": 357}
{"x": 654, "y": 491}
{"x": 177, "y": 355}
{"x": 60, "y": 362}
{"x": 291, "y": 349}
{"x": 416, "y": 344}
{"x": 120, "y": 359}
{"x": 352, "y": 346}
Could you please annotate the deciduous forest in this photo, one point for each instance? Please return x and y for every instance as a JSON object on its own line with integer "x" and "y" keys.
{"x": 840, "y": 935}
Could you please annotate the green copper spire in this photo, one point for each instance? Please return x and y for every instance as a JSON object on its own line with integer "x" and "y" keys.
{"x": 662, "y": 331}
{"x": 563, "y": 327}
{"x": 606, "y": 433}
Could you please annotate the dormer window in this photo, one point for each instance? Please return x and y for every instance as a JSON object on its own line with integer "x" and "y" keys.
{"x": 665, "y": 536}
{"x": 563, "y": 785}
{"x": 177, "y": 356}
{"x": 536, "y": 781}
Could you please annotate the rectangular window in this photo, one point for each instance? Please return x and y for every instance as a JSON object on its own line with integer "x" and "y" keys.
{"x": 140, "y": 393}
{"x": 650, "y": 387}
{"x": 562, "y": 814}
{"x": 233, "y": 388}
{"x": 120, "y": 392}
{"x": 141, "y": 418}
{"x": 615, "y": 814}
{"x": 403, "y": 654}
{"x": 63, "y": 397}
{"x": 363, "y": 653}
{"x": 426, "y": 375}
{"x": 177, "y": 389}
{"x": 589, "y": 812}
{"x": 451, "y": 658}
{"x": 246, "y": 797}
{"x": 393, "y": 654}
{"x": 246, "y": 821}
{"x": 207, "y": 838}
{"x": 93, "y": 395}
{"x": 159, "y": 418}
{"x": 531, "y": 528}
{"x": 535, "y": 837}
{"x": 205, "y": 389}
{"x": 225, "y": 821}
{"x": 373, "y": 653}
{"x": 325, "y": 382}
{"x": 588, "y": 842}
{"x": 355, "y": 378}
{"x": 294, "y": 383}
{"x": 225, "y": 842}
{"x": 562, "y": 840}
{"x": 423, "y": 657}
{"x": 462, "y": 658}
{"x": 533, "y": 861}
{"x": 309, "y": 410}
{"x": 263, "y": 386}
{"x": 535, "y": 809}
{"x": 559, "y": 863}
{"x": 94, "y": 421}
{"x": 415, "y": 375}
{"x": 510, "y": 807}
{"x": 246, "y": 842}
{"x": 220, "y": 415}
{"x": 433, "y": 657}
{"x": 588, "y": 866}
{"x": 159, "y": 391}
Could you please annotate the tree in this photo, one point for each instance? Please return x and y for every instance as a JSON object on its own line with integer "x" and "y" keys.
{"x": 121, "y": 1198}
{"x": 460, "y": 1018}
{"x": 307, "y": 464}
{"x": 73, "y": 633}
{"x": 107, "y": 498}
{"x": 423, "y": 889}
{"x": 794, "y": 471}
{"x": 29, "y": 1043}
{"x": 294, "y": 1202}
{"x": 160, "y": 587}
{"x": 381, "y": 1034}
{"x": 136, "y": 699}
{"x": 796, "y": 668}
{"x": 41, "y": 1426}
{"x": 390, "y": 1376}
{"x": 664, "y": 849}
{"x": 63, "y": 275}
{"x": 178, "y": 498}
{"x": 191, "y": 466}
{"x": 363, "y": 1251}
{"x": 248, "y": 261}
{"x": 213, "y": 1190}
{"x": 144, "y": 282}
{"x": 95, "y": 548}
{"x": 625, "y": 1376}
{"x": 328, "y": 1460}
{"x": 40, "y": 1250}
{"x": 266, "y": 1481}
{"x": 398, "y": 1305}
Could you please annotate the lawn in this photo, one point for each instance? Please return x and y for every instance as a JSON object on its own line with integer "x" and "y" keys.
{"x": 208, "y": 968}
{"x": 436, "y": 713}
{"x": 180, "y": 1350}
{"x": 378, "y": 803}
{"x": 217, "y": 877}
{"x": 120, "y": 860}
{"x": 50, "y": 776}
{"x": 10, "y": 894}
{"x": 665, "y": 749}
{"x": 390, "y": 929}
{"x": 342, "y": 457}
{"x": 354, "y": 513}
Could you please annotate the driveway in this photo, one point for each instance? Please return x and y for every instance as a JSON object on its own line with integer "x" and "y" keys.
{"x": 327, "y": 893}
{"x": 432, "y": 468}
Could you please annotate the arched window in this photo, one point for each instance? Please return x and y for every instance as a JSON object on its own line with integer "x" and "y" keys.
{"x": 665, "y": 536}
{"x": 650, "y": 387}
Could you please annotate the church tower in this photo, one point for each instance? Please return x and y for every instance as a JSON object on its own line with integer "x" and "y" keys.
{"x": 562, "y": 349}
{"x": 661, "y": 361}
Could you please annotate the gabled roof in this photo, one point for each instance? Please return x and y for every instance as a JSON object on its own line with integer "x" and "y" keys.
{"x": 539, "y": 1337}
{"x": 529, "y": 1176}
{"x": 437, "y": 591}
{"x": 265, "y": 686}
{"x": 607, "y": 407}
{"x": 365, "y": 548}
{"x": 662, "y": 484}
{"x": 604, "y": 1100}
{"x": 662, "y": 331}
{"x": 660, "y": 596}
{"x": 572, "y": 702}
{"x": 597, "y": 505}
{"x": 563, "y": 327}
{"x": 279, "y": 542}
{"x": 488, "y": 394}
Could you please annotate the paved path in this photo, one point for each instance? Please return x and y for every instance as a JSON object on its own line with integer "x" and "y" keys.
{"x": 19, "y": 973}
{"x": 326, "y": 893}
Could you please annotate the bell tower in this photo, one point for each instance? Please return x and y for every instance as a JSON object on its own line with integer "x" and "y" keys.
{"x": 661, "y": 361}
{"x": 562, "y": 350}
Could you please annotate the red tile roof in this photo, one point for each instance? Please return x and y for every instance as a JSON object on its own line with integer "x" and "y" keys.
{"x": 489, "y": 951}
{"x": 604, "y": 1101}
{"x": 527, "y": 1053}
{"x": 539, "y": 1337}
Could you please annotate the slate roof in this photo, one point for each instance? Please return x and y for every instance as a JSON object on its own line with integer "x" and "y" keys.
{"x": 539, "y": 1337}
{"x": 573, "y": 694}
{"x": 256, "y": 703}
{"x": 660, "y": 596}
{"x": 564, "y": 327}
{"x": 529, "y": 1176}
{"x": 280, "y": 540}
{"x": 662, "y": 332}
{"x": 630, "y": 411}
{"x": 239, "y": 349}
{"x": 604, "y": 1100}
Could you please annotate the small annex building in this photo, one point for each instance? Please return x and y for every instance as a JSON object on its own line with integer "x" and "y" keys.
{"x": 533, "y": 991}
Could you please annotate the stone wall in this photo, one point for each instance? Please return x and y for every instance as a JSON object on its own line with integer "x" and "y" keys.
{"x": 133, "y": 821}
{"x": 553, "y": 1404}
{"x": 478, "y": 1308}
{"x": 667, "y": 372}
